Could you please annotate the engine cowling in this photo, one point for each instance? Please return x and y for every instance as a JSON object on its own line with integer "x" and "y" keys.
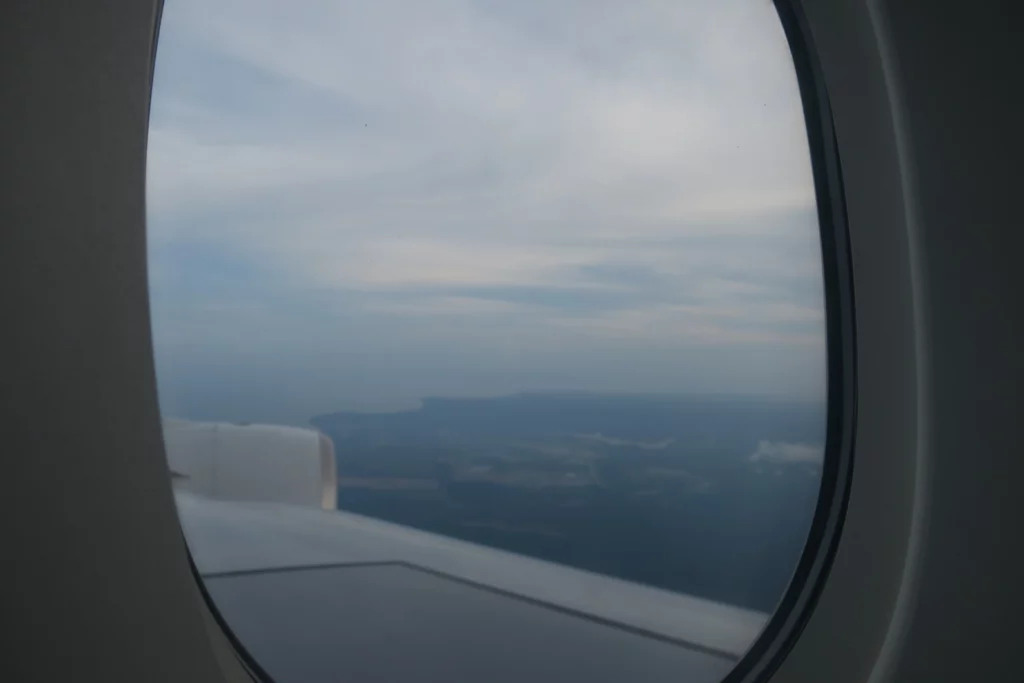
{"x": 252, "y": 462}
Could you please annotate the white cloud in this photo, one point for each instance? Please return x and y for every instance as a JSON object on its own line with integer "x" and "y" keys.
{"x": 564, "y": 129}
{"x": 782, "y": 452}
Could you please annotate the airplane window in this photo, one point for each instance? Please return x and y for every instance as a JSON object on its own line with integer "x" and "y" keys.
{"x": 481, "y": 323}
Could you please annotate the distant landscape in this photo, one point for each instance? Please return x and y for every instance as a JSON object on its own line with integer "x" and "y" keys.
{"x": 706, "y": 495}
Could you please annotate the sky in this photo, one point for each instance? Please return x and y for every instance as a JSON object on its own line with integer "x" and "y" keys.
{"x": 352, "y": 205}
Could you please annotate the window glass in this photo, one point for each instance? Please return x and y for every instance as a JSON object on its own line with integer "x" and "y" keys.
{"x": 538, "y": 278}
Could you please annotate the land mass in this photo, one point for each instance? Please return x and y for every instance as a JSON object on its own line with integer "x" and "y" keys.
{"x": 706, "y": 495}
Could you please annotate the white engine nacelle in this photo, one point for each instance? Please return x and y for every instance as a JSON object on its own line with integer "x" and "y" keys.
{"x": 252, "y": 462}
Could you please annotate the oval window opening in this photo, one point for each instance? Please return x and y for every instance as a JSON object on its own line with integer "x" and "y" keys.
{"x": 487, "y": 323}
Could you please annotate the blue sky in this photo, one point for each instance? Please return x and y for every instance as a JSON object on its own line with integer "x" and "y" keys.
{"x": 352, "y": 205}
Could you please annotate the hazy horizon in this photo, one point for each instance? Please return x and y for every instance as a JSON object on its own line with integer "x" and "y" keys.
{"x": 214, "y": 410}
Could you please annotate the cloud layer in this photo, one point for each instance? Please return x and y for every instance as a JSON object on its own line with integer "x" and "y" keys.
{"x": 600, "y": 195}
{"x": 780, "y": 452}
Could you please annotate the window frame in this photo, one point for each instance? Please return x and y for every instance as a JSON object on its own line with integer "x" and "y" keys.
{"x": 793, "y": 612}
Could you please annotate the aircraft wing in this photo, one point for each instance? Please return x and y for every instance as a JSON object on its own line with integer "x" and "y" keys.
{"x": 322, "y": 595}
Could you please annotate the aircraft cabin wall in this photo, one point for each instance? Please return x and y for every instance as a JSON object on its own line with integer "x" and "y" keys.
{"x": 925, "y": 585}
